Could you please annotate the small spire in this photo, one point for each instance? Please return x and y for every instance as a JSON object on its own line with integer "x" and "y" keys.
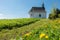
{"x": 43, "y": 6}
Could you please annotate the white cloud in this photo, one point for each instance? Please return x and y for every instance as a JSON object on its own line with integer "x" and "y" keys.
{"x": 1, "y": 14}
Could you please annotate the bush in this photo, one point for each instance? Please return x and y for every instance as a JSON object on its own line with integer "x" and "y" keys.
{"x": 54, "y": 14}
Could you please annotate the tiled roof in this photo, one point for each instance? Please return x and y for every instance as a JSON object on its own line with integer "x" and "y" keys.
{"x": 37, "y": 9}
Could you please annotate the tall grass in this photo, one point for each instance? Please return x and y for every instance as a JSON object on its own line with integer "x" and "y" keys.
{"x": 15, "y": 23}
{"x": 44, "y": 29}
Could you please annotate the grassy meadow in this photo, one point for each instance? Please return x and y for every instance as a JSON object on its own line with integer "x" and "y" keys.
{"x": 15, "y": 23}
{"x": 34, "y": 29}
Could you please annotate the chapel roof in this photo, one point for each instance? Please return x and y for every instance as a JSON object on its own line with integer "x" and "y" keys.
{"x": 38, "y": 9}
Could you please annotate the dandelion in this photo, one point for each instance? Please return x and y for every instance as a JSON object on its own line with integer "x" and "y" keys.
{"x": 46, "y": 36}
{"x": 42, "y": 35}
{"x": 27, "y": 34}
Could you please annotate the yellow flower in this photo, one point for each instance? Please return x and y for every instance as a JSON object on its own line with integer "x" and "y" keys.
{"x": 27, "y": 34}
{"x": 46, "y": 36}
{"x": 42, "y": 35}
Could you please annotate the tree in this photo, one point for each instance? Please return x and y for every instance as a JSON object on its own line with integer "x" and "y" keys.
{"x": 55, "y": 13}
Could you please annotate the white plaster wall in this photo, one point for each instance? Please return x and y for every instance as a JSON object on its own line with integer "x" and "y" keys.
{"x": 36, "y": 14}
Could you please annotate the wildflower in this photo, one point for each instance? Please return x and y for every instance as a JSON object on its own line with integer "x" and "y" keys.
{"x": 27, "y": 34}
{"x": 46, "y": 36}
{"x": 42, "y": 35}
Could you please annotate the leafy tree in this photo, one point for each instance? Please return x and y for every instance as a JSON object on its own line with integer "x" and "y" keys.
{"x": 55, "y": 13}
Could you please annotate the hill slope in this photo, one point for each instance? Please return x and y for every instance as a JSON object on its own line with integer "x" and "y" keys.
{"x": 16, "y": 23}
{"x": 43, "y": 29}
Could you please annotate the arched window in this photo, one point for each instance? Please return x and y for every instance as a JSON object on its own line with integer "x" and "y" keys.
{"x": 39, "y": 15}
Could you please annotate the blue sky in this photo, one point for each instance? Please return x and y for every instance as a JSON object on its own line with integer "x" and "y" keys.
{"x": 20, "y": 8}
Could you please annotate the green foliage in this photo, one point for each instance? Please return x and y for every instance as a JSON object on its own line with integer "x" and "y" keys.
{"x": 55, "y": 13}
{"x": 52, "y": 16}
{"x": 59, "y": 15}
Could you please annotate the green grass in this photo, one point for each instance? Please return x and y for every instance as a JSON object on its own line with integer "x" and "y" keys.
{"x": 15, "y": 23}
{"x": 34, "y": 31}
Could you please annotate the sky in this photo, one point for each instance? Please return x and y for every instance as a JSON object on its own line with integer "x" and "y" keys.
{"x": 20, "y": 8}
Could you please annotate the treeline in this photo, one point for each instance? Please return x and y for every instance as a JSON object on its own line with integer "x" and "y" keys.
{"x": 55, "y": 13}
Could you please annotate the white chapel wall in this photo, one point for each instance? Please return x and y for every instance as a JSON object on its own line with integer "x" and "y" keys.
{"x": 36, "y": 14}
